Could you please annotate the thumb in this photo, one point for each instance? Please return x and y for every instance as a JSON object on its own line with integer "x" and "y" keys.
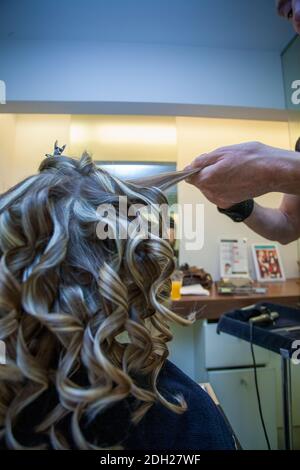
{"x": 198, "y": 162}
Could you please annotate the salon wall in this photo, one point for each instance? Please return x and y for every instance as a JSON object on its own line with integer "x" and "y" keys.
{"x": 7, "y": 140}
{"x": 117, "y": 75}
{"x": 24, "y": 139}
{"x": 124, "y": 138}
{"x": 200, "y": 135}
{"x": 34, "y": 136}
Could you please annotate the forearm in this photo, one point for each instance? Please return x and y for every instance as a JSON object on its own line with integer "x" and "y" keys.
{"x": 273, "y": 224}
{"x": 285, "y": 172}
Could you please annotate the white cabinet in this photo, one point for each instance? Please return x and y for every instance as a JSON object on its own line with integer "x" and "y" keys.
{"x": 229, "y": 367}
{"x": 236, "y": 391}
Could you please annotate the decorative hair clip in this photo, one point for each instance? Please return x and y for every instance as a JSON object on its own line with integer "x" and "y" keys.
{"x": 57, "y": 150}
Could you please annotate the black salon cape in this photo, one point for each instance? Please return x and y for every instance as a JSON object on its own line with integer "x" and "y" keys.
{"x": 201, "y": 427}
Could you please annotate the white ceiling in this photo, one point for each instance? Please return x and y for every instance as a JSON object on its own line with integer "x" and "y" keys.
{"x": 243, "y": 24}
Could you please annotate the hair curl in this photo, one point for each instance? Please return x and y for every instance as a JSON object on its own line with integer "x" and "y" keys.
{"x": 66, "y": 297}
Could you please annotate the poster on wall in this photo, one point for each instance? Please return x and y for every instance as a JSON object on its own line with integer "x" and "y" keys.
{"x": 267, "y": 263}
{"x": 234, "y": 258}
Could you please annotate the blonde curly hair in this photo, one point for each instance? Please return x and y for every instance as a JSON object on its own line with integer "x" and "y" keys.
{"x": 66, "y": 297}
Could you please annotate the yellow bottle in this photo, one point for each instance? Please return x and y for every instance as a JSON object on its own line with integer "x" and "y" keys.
{"x": 175, "y": 293}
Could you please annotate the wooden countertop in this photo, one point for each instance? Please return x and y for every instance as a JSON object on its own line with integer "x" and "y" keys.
{"x": 213, "y": 306}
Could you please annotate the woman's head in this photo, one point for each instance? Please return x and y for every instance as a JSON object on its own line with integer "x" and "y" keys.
{"x": 72, "y": 303}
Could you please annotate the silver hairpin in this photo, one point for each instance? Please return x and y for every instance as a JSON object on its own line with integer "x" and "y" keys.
{"x": 57, "y": 150}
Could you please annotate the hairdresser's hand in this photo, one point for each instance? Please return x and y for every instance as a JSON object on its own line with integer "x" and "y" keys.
{"x": 233, "y": 174}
